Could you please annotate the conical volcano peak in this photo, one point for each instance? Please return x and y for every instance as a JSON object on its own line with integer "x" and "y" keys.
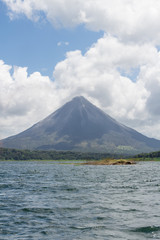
{"x": 80, "y": 99}
{"x": 81, "y": 126}
{"x": 78, "y": 102}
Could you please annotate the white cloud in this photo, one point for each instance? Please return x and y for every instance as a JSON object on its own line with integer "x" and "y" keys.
{"x": 96, "y": 73}
{"x": 23, "y": 99}
{"x": 135, "y": 21}
{"x": 59, "y": 44}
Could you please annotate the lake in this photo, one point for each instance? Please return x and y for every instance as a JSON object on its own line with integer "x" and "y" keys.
{"x": 47, "y": 200}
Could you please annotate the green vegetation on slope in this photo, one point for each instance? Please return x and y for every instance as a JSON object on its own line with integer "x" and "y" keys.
{"x": 14, "y": 154}
{"x": 152, "y": 156}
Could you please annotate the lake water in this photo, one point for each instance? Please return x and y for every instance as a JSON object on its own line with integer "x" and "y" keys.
{"x": 44, "y": 200}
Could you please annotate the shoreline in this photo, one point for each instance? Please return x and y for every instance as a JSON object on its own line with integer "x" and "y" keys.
{"x": 111, "y": 162}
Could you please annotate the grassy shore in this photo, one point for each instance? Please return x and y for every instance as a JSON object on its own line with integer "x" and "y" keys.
{"x": 111, "y": 162}
{"x": 147, "y": 159}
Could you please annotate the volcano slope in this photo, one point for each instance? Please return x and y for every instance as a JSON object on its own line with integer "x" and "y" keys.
{"x": 81, "y": 126}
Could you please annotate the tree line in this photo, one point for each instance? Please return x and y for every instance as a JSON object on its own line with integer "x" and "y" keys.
{"x": 14, "y": 154}
{"x": 148, "y": 155}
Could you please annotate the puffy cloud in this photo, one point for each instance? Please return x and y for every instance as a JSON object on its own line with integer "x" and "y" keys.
{"x": 23, "y": 99}
{"x": 150, "y": 75}
{"x": 135, "y": 21}
{"x": 97, "y": 74}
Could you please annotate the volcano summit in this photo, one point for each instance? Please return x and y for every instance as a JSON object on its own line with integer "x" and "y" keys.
{"x": 80, "y": 126}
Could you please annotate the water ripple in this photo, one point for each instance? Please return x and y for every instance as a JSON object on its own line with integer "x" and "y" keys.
{"x": 43, "y": 201}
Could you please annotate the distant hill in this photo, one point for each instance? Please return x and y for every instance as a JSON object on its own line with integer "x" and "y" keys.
{"x": 80, "y": 126}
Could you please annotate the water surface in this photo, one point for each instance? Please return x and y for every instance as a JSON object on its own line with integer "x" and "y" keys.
{"x": 44, "y": 200}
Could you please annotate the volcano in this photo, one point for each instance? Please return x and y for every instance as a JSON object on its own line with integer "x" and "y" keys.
{"x": 81, "y": 126}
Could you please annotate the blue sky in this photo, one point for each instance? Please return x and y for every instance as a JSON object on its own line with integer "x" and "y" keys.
{"x": 35, "y": 44}
{"x": 104, "y": 50}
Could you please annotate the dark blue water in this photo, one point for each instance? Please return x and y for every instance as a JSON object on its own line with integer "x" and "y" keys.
{"x": 43, "y": 200}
